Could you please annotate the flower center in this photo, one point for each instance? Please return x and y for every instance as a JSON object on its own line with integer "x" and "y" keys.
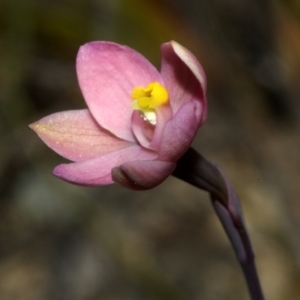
{"x": 147, "y": 99}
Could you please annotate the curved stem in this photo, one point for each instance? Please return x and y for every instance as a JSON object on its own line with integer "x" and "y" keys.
{"x": 196, "y": 170}
{"x": 241, "y": 243}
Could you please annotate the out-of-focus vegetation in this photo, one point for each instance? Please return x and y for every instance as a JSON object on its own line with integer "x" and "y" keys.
{"x": 59, "y": 241}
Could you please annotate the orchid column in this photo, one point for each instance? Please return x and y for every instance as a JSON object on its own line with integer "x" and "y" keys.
{"x": 138, "y": 129}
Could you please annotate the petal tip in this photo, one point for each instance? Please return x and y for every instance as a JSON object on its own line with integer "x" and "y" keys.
{"x": 191, "y": 61}
{"x": 58, "y": 172}
{"x": 61, "y": 172}
{"x": 35, "y": 126}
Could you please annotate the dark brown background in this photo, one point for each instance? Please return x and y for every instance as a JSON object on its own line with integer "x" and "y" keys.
{"x": 59, "y": 241}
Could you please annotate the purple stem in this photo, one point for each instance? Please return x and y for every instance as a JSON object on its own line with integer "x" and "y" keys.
{"x": 196, "y": 170}
{"x": 241, "y": 243}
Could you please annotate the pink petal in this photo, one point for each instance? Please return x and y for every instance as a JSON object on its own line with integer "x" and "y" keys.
{"x": 143, "y": 131}
{"x": 142, "y": 175}
{"x": 163, "y": 115}
{"x": 180, "y": 131}
{"x": 149, "y": 136}
{"x": 97, "y": 171}
{"x": 183, "y": 76}
{"x": 75, "y": 135}
{"x": 107, "y": 73}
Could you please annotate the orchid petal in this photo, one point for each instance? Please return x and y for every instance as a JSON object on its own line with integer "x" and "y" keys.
{"x": 97, "y": 171}
{"x": 163, "y": 114}
{"x": 107, "y": 74}
{"x": 183, "y": 76}
{"x": 142, "y": 175}
{"x": 180, "y": 131}
{"x": 142, "y": 130}
{"x": 149, "y": 136}
{"x": 76, "y": 136}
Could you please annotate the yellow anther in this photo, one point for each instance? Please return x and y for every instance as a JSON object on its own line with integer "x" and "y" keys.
{"x": 150, "y": 97}
{"x": 147, "y": 99}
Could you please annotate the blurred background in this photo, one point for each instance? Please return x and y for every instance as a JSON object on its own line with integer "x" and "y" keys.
{"x": 60, "y": 241}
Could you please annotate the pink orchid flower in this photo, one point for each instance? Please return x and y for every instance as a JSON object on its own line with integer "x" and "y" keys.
{"x": 139, "y": 122}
